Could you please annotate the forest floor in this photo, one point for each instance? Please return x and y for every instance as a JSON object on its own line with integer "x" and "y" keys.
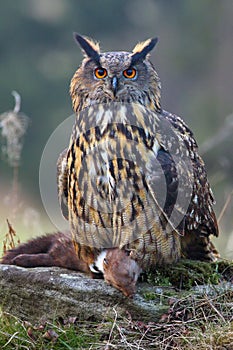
{"x": 199, "y": 315}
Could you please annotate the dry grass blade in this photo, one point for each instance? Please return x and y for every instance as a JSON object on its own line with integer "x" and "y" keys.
{"x": 215, "y": 309}
{"x": 111, "y": 332}
{"x": 229, "y": 198}
{"x": 9, "y": 341}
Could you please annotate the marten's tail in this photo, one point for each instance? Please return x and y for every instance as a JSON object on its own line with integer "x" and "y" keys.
{"x": 39, "y": 245}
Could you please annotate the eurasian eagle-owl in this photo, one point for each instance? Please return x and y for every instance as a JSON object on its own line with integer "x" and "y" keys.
{"x": 132, "y": 177}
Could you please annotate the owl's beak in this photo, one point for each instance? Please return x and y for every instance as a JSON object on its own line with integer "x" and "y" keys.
{"x": 114, "y": 85}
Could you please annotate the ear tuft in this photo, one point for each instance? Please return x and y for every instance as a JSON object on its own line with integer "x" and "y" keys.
{"x": 89, "y": 47}
{"x": 142, "y": 49}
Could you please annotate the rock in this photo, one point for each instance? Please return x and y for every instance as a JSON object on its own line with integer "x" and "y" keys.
{"x": 38, "y": 294}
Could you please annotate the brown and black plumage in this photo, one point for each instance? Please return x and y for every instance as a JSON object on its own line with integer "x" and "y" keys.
{"x": 132, "y": 177}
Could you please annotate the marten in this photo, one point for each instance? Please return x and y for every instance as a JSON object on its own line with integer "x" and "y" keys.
{"x": 114, "y": 265}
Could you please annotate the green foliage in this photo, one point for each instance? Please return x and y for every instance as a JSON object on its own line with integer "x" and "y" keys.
{"x": 16, "y": 334}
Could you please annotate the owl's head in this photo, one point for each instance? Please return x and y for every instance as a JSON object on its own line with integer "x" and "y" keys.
{"x": 115, "y": 76}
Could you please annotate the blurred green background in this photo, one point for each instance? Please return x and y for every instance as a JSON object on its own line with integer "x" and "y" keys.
{"x": 194, "y": 59}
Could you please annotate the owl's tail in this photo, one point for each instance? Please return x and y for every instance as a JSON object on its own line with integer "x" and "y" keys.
{"x": 198, "y": 247}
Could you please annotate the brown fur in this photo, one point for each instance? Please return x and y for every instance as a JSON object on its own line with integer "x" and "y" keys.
{"x": 121, "y": 271}
{"x": 49, "y": 250}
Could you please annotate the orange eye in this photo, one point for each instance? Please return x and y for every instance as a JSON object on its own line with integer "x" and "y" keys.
{"x": 100, "y": 73}
{"x": 130, "y": 73}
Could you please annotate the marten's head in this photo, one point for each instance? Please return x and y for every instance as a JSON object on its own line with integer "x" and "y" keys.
{"x": 121, "y": 271}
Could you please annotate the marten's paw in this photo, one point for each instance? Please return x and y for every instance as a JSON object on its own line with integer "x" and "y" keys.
{"x": 20, "y": 260}
{"x": 8, "y": 258}
{"x": 32, "y": 260}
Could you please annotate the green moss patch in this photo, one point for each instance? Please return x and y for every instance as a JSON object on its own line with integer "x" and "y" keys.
{"x": 188, "y": 273}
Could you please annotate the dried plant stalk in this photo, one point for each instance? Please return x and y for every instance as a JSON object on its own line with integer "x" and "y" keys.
{"x": 13, "y": 126}
{"x": 229, "y": 198}
{"x": 11, "y": 239}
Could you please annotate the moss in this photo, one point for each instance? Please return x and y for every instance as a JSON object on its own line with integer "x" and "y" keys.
{"x": 225, "y": 268}
{"x": 162, "y": 296}
{"x": 187, "y": 273}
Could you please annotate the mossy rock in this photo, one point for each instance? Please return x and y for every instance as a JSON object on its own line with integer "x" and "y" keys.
{"x": 95, "y": 315}
{"x": 188, "y": 273}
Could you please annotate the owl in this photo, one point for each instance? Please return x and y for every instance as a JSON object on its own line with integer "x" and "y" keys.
{"x": 131, "y": 176}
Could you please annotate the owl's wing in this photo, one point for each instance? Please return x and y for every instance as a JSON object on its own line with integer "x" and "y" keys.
{"x": 171, "y": 176}
{"x": 168, "y": 173}
{"x": 199, "y": 220}
{"x": 62, "y": 183}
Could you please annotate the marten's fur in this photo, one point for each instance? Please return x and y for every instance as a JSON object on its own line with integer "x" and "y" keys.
{"x": 50, "y": 250}
{"x": 57, "y": 249}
